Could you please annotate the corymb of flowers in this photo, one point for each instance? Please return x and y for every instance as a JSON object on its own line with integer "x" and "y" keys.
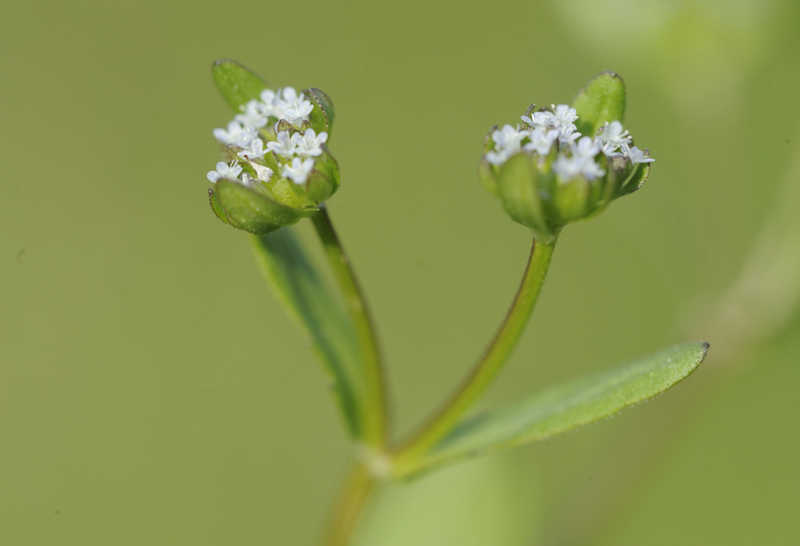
{"x": 276, "y": 167}
{"x": 565, "y": 163}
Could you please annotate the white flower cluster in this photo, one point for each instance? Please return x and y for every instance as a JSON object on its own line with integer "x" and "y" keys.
{"x": 295, "y": 153}
{"x": 576, "y": 153}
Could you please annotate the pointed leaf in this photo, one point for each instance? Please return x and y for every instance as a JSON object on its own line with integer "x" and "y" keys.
{"x": 237, "y": 83}
{"x": 309, "y": 301}
{"x": 569, "y": 406}
{"x": 601, "y": 100}
{"x": 252, "y": 211}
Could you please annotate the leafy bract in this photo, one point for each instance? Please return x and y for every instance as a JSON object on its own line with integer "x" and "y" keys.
{"x": 601, "y": 100}
{"x": 237, "y": 83}
{"x": 251, "y": 211}
{"x": 310, "y": 302}
{"x": 322, "y": 115}
{"x": 519, "y": 193}
{"x": 567, "y": 407}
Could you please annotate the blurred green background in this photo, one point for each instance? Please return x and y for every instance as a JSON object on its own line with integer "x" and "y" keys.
{"x": 153, "y": 392}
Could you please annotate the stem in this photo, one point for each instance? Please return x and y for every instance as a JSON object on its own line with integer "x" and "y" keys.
{"x": 353, "y": 499}
{"x": 374, "y": 413}
{"x": 489, "y": 365}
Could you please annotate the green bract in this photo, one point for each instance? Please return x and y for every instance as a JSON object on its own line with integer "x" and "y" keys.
{"x": 565, "y": 163}
{"x": 277, "y": 168}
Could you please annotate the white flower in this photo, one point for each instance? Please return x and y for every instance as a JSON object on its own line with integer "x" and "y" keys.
{"x": 297, "y": 112}
{"x": 252, "y": 114}
{"x": 612, "y": 136}
{"x": 497, "y": 157}
{"x": 229, "y": 135}
{"x": 246, "y": 137}
{"x": 636, "y": 155}
{"x": 254, "y": 151}
{"x": 567, "y": 167}
{"x": 580, "y": 163}
{"x": 568, "y": 135}
{"x": 270, "y": 103}
{"x": 540, "y": 120}
{"x": 564, "y": 115}
{"x": 224, "y": 170}
{"x": 591, "y": 170}
{"x": 293, "y": 107}
{"x": 299, "y": 170}
{"x": 541, "y": 142}
{"x": 309, "y": 143}
{"x": 509, "y": 138}
{"x": 285, "y": 145}
{"x": 586, "y": 148}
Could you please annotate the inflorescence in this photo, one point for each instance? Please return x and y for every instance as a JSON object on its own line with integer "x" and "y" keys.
{"x": 280, "y": 117}
{"x": 554, "y": 138}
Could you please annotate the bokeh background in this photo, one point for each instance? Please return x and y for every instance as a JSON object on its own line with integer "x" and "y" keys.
{"x": 153, "y": 392}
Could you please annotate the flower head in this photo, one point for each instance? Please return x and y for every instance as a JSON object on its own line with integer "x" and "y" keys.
{"x": 275, "y": 131}
{"x": 548, "y": 174}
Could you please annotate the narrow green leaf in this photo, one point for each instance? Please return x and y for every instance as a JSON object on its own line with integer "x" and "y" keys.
{"x": 237, "y": 83}
{"x": 252, "y": 211}
{"x": 601, "y": 100}
{"x": 314, "y": 307}
{"x": 569, "y": 406}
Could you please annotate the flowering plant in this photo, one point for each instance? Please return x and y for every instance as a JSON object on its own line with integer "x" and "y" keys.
{"x": 563, "y": 164}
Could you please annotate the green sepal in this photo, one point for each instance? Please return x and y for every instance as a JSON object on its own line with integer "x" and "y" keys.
{"x": 572, "y": 199}
{"x": 324, "y": 179}
{"x": 321, "y": 116}
{"x": 284, "y": 125}
{"x": 637, "y": 179}
{"x": 601, "y": 100}
{"x": 519, "y": 193}
{"x": 252, "y": 211}
{"x": 237, "y": 83}
{"x": 216, "y": 206}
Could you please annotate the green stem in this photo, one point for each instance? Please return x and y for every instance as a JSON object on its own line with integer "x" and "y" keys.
{"x": 351, "y": 503}
{"x": 489, "y": 365}
{"x": 374, "y": 413}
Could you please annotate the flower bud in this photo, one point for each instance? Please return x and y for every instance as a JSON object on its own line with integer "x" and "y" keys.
{"x": 277, "y": 168}
{"x": 566, "y": 163}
